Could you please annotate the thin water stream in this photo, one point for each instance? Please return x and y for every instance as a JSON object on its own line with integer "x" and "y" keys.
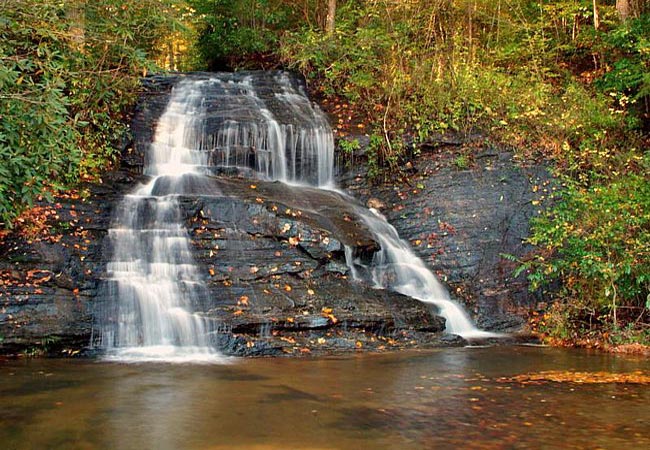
{"x": 450, "y": 398}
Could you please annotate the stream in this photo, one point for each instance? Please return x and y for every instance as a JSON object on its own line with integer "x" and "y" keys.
{"x": 447, "y": 398}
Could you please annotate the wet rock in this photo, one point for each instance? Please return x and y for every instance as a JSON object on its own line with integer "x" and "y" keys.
{"x": 272, "y": 260}
{"x": 461, "y": 221}
{"x": 272, "y": 257}
{"x": 49, "y": 275}
{"x": 375, "y": 203}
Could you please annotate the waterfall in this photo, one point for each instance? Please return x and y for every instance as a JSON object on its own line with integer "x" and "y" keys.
{"x": 152, "y": 275}
{"x": 219, "y": 123}
{"x": 395, "y": 266}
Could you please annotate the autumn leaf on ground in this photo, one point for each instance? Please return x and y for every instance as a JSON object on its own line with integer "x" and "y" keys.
{"x": 327, "y": 312}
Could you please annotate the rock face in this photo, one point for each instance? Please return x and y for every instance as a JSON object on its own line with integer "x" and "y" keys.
{"x": 273, "y": 261}
{"x": 49, "y": 274}
{"x": 461, "y": 215}
{"x": 273, "y": 257}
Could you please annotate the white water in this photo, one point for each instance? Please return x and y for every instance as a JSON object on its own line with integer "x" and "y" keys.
{"x": 239, "y": 130}
{"x": 225, "y": 122}
{"x": 397, "y": 267}
{"x": 152, "y": 273}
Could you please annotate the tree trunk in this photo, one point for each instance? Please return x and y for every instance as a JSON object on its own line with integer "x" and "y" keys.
{"x": 596, "y": 16}
{"x": 170, "y": 51}
{"x": 331, "y": 15}
{"x": 630, "y": 9}
{"x": 624, "y": 9}
{"x": 76, "y": 17}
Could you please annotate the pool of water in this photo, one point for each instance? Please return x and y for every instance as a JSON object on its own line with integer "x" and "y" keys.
{"x": 449, "y": 398}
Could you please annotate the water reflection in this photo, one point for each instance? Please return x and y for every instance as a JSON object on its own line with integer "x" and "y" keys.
{"x": 158, "y": 407}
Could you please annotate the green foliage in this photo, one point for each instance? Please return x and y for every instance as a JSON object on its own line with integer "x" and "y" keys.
{"x": 34, "y": 109}
{"x": 596, "y": 241}
{"x": 232, "y": 32}
{"x": 628, "y": 50}
{"x": 349, "y": 146}
{"x": 428, "y": 67}
{"x": 462, "y": 162}
{"x": 68, "y": 76}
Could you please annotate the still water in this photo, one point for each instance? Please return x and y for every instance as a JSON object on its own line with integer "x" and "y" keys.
{"x": 449, "y": 398}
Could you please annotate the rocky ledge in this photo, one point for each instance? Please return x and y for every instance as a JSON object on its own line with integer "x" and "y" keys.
{"x": 273, "y": 259}
{"x": 466, "y": 204}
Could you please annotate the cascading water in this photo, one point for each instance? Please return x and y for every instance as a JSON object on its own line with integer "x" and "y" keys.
{"x": 396, "y": 267}
{"x": 211, "y": 123}
{"x": 216, "y": 123}
{"x": 152, "y": 274}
